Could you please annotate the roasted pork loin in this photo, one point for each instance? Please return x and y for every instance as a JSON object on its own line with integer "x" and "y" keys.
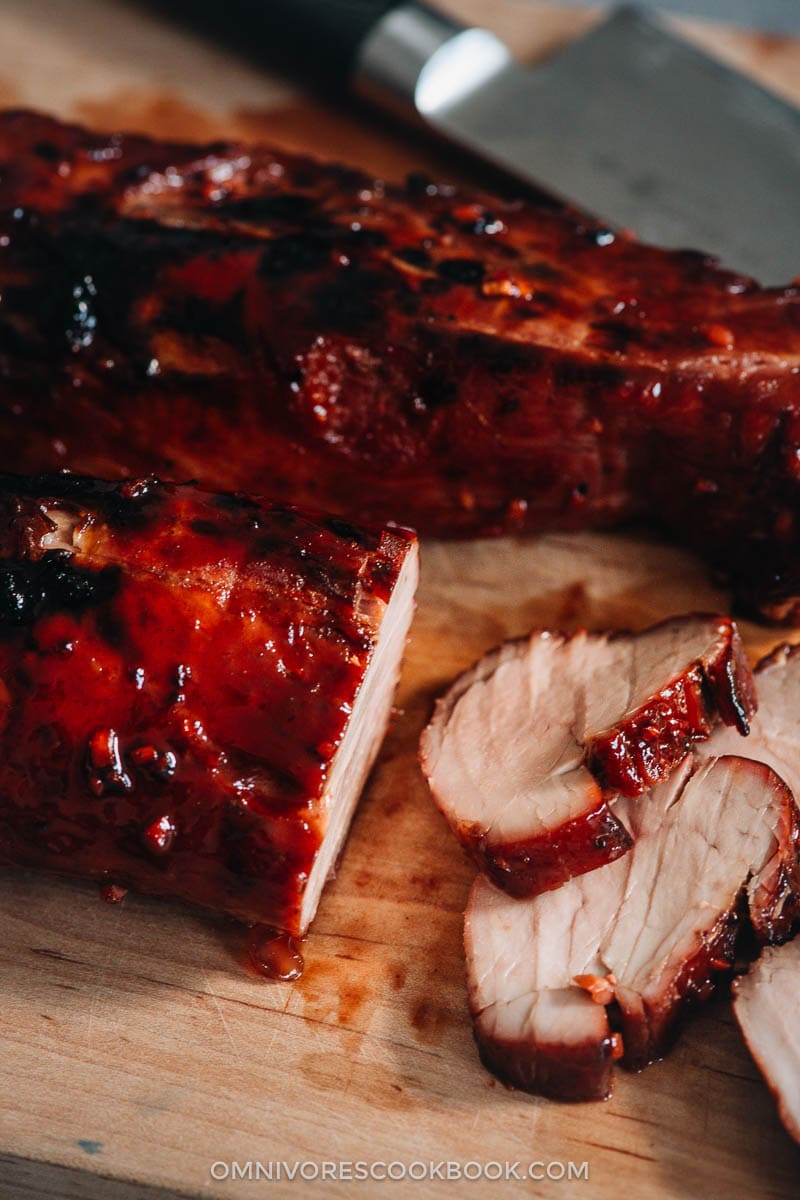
{"x": 645, "y": 935}
{"x": 194, "y": 687}
{"x": 462, "y": 364}
{"x": 766, "y": 1002}
{"x": 527, "y": 748}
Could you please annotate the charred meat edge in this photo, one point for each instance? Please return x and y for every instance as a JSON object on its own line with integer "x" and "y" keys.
{"x": 229, "y": 774}
{"x": 626, "y": 759}
{"x": 463, "y": 363}
{"x": 648, "y": 998}
{"x": 766, "y": 998}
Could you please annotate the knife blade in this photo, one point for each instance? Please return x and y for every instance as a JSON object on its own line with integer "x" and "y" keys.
{"x": 773, "y": 16}
{"x": 629, "y": 122}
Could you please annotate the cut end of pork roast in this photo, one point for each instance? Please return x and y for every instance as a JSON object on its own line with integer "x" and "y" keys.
{"x": 194, "y": 687}
{"x": 526, "y": 749}
{"x": 645, "y": 935}
{"x": 765, "y": 1004}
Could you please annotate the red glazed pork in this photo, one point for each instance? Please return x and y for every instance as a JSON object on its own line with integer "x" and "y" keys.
{"x": 194, "y": 687}
{"x": 527, "y": 748}
{"x": 454, "y": 361}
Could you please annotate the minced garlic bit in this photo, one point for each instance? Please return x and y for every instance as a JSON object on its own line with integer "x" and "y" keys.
{"x": 600, "y": 987}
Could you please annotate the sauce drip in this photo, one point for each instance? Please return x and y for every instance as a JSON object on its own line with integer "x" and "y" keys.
{"x": 112, "y": 893}
{"x": 274, "y": 954}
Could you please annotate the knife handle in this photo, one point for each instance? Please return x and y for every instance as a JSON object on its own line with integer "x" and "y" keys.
{"x": 329, "y": 45}
{"x": 316, "y": 40}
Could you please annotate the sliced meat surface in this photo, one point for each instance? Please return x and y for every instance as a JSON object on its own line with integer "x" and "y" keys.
{"x": 527, "y": 749}
{"x": 194, "y": 687}
{"x": 775, "y": 729}
{"x": 646, "y": 934}
{"x": 766, "y": 1004}
{"x": 454, "y": 361}
{"x": 767, "y": 998}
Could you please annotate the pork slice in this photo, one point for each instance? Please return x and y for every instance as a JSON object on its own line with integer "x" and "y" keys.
{"x": 775, "y": 729}
{"x": 647, "y": 934}
{"x": 193, "y": 687}
{"x": 527, "y": 749}
{"x": 766, "y": 999}
{"x": 765, "y": 1005}
{"x": 774, "y": 737}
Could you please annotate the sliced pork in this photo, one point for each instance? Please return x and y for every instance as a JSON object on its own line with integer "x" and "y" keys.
{"x": 563, "y": 984}
{"x": 775, "y": 729}
{"x": 194, "y": 687}
{"x": 527, "y": 749}
{"x": 767, "y": 999}
{"x": 766, "y": 1004}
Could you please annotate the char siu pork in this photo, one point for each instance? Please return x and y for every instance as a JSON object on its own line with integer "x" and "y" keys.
{"x": 528, "y": 747}
{"x": 766, "y": 999}
{"x": 775, "y": 729}
{"x": 193, "y": 687}
{"x": 766, "y": 1002}
{"x": 644, "y": 935}
{"x": 460, "y": 363}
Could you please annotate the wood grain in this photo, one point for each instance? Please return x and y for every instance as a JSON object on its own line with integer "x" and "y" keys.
{"x": 135, "y": 1046}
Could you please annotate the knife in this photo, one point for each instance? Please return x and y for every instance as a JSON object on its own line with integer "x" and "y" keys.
{"x": 775, "y": 16}
{"x": 629, "y": 122}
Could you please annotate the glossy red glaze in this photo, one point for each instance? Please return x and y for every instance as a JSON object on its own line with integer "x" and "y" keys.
{"x": 541, "y": 864}
{"x": 628, "y": 759}
{"x": 642, "y": 752}
{"x": 175, "y": 687}
{"x": 463, "y": 364}
{"x": 648, "y": 1032}
{"x": 561, "y": 1071}
{"x": 274, "y": 954}
{"x": 640, "y": 1030}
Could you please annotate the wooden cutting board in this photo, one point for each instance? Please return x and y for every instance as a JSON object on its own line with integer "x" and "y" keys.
{"x": 135, "y": 1047}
